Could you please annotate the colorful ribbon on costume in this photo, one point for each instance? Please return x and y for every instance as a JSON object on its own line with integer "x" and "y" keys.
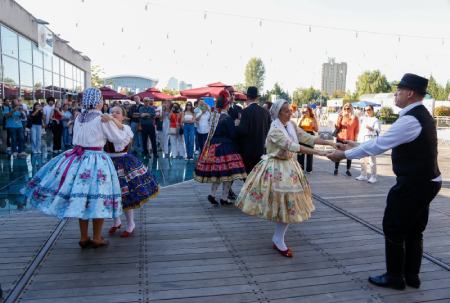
{"x": 76, "y": 152}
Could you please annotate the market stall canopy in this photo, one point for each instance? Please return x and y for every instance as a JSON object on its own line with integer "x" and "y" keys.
{"x": 110, "y": 94}
{"x": 157, "y": 95}
{"x": 364, "y": 104}
{"x": 211, "y": 90}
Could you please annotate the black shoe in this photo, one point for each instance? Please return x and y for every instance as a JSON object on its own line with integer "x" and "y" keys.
{"x": 387, "y": 281}
{"x": 232, "y": 196}
{"x": 212, "y": 200}
{"x": 225, "y": 202}
{"x": 155, "y": 156}
{"x": 413, "y": 281}
{"x": 335, "y": 172}
{"x": 348, "y": 173}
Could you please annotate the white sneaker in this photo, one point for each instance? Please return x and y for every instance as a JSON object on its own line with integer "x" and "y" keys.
{"x": 372, "y": 179}
{"x": 361, "y": 178}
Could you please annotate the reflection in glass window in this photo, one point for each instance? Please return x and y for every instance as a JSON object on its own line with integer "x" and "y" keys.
{"x": 26, "y": 93}
{"x": 37, "y": 57}
{"x": 48, "y": 79}
{"x": 56, "y": 81}
{"x": 9, "y": 42}
{"x": 68, "y": 70}
{"x": 38, "y": 77}
{"x": 25, "y": 50}
{"x": 26, "y": 74}
{"x": 48, "y": 62}
{"x": 10, "y": 70}
{"x": 55, "y": 64}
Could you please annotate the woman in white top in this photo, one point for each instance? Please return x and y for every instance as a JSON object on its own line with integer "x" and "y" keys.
{"x": 82, "y": 182}
{"x": 188, "y": 120}
{"x": 369, "y": 129}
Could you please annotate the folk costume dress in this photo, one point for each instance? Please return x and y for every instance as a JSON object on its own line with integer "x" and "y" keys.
{"x": 137, "y": 184}
{"x": 276, "y": 189}
{"x": 82, "y": 182}
{"x": 220, "y": 161}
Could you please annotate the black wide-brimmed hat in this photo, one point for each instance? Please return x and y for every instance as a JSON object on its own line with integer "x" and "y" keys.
{"x": 252, "y": 92}
{"x": 414, "y": 82}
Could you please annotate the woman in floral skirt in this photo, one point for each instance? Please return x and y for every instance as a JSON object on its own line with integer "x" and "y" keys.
{"x": 137, "y": 183}
{"x": 276, "y": 189}
{"x": 82, "y": 182}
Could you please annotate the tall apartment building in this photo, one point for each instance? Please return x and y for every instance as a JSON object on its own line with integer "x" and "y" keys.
{"x": 333, "y": 76}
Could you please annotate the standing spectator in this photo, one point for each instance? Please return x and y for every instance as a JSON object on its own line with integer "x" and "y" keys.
{"x": 176, "y": 139}
{"x": 105, "y": 108}
{"x": 348, "y": 128}
{"x": 37, "y": 121}
{"x": 14, "y": 126}
{"x": 309, "y": 124}
{"x": 57, "y": 128}
{"x": 202, "y": 116}
{"x": 135, "y": 120}
{"x": 5, "y": 139}
{"x": 67, "y": 117}
{"x": 48, "y": 113}
{"x": 188, "y": 119}
{"x": 164, "y": 114}
{"x": 147, "y": 115}
{"x": 370, "y": 128}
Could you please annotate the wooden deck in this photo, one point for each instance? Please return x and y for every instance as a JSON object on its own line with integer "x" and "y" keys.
{"x": 186, "y": 251}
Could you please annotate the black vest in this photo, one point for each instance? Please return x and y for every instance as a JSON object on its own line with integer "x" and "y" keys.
{"x": 418, "y": 159}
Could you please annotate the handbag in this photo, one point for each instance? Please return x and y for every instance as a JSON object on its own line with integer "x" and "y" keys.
{"x": 181, "y": 131}
{"x": 336, "y": 132}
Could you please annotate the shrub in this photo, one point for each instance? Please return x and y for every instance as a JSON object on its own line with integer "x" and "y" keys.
{"x": 442, "y": 111}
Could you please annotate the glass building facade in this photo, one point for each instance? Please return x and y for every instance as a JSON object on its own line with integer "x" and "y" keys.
{"x": 29, "y": 73}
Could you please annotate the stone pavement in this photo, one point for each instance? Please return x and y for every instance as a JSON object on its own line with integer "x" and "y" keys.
{"x": 185, "y": 250}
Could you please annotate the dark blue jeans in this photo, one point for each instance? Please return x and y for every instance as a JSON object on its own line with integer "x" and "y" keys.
{"x": 17, "y": 139}
{"x": 189, "y": 137}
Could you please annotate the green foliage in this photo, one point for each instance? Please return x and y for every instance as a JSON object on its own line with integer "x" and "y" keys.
{"x": 305, "y": 95}
{"x": 372, "y": 82}
{"x": 240, "y": 87}
{"x": 387, "y": 115}
{"x": 254, "y": 73}
{"x": 96, "y": 76}
{"x": 172, "y": 92}
{"x": 442, "y": 111}
{"x": 437, "y": 91}
{"x": 394, "y": 85}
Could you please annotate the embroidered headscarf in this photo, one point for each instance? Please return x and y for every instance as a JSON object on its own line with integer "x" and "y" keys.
{"x": 276, "y": 107}
{"x": 288, "y": 129}
{"x": 91, "y": 97}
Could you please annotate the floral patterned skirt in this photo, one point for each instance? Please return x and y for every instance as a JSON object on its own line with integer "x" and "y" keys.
{"x": 219, "y": 163}
{"x": 89, "y": 190}
{"x": 137, "y": 183}
{"x": 277, "y": 190}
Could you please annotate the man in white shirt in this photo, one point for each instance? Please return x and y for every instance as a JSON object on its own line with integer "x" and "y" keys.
{"x": 413, "y": 141}
{"x": 48, "y": 109}
{"x": 202, "y": 116}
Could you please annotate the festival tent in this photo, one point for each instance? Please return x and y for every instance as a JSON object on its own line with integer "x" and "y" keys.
{"x": 110, "y": 94}
{"x": 211, "y": 90}
{"x": 364, "y": 104}
{"x": 156, "y": 95}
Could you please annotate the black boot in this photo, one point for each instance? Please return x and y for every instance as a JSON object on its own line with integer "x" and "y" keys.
{"x": 413, "y": 261}
{"x": 225, "y": 202}
{"x": 212, "y": 200}
{"x": 395, "y": 259}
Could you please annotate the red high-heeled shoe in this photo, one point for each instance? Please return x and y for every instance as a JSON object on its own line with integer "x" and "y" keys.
{"x": 126, "y": 234}
{"x": 113, "y": 229}
{"x": 286, "y": 253}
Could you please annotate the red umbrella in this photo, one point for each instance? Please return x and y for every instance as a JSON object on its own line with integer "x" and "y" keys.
{"x": 110, "y": 94}
{"x": 211, "y": 90}
{"x": 156, "y": 95}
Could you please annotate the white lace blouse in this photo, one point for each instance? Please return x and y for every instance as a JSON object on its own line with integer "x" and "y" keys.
{"x": 95, "y": 133}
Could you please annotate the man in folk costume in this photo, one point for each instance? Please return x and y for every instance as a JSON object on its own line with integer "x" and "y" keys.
{"x": 252, "y": 130}
{"x": 413, "y": 141}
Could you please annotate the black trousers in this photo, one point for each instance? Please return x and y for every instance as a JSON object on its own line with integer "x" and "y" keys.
{"x": 405, "y": 219}
{"x": 250, "y": 162}
{"x": 149, "y": 131}
{"x": 309, "y": 158}
{"x": 57, "y": 130}
{"x": 349, "y": 162}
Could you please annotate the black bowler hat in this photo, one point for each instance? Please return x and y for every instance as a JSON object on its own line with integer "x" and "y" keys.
{"x": 252, "y": 92}
{"x": 415, "y": 83}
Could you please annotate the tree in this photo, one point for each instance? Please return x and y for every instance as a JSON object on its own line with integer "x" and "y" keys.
{"x": 254, "y": 73}
{"x": 305, "y": 95}
{"x": 172, "y": 92}
{"x": 437, "y": 91}
{"x": 96, "y": 76}
{"x": 240, "y": 87}
{"x": 372, "y": 82}
{"x": 394, "y": 85}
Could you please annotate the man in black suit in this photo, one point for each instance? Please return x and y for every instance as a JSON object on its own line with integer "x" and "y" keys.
{"x": 252, "y": 130}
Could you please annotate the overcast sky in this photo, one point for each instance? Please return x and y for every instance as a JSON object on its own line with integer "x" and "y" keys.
{"x": 177, "y": 38}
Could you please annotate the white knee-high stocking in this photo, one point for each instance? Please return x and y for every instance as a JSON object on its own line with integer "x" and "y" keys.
{"x": 129, "y": 214}
{"x": 214, "y": 187}
{"x": 278, "y": 236}
{"x": 226, "y": 190}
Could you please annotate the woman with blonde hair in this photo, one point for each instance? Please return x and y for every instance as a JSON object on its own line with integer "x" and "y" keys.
{"x": 276, "y": 189}
{"x": 347, "y": 128}
{"x": 309, "y": 124}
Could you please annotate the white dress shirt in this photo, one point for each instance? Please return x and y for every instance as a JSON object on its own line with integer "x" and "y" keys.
{"x": 406, "y": 129}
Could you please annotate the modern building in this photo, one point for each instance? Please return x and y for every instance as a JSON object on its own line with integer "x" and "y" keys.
{"x": 333, "y": 77}
{"x": 130, "y": 84}
{"x": 176, "y": 84}
{"x": 35, "y": 62}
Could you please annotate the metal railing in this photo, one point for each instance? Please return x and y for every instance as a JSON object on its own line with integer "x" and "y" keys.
{"x": 442, "y": 121}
